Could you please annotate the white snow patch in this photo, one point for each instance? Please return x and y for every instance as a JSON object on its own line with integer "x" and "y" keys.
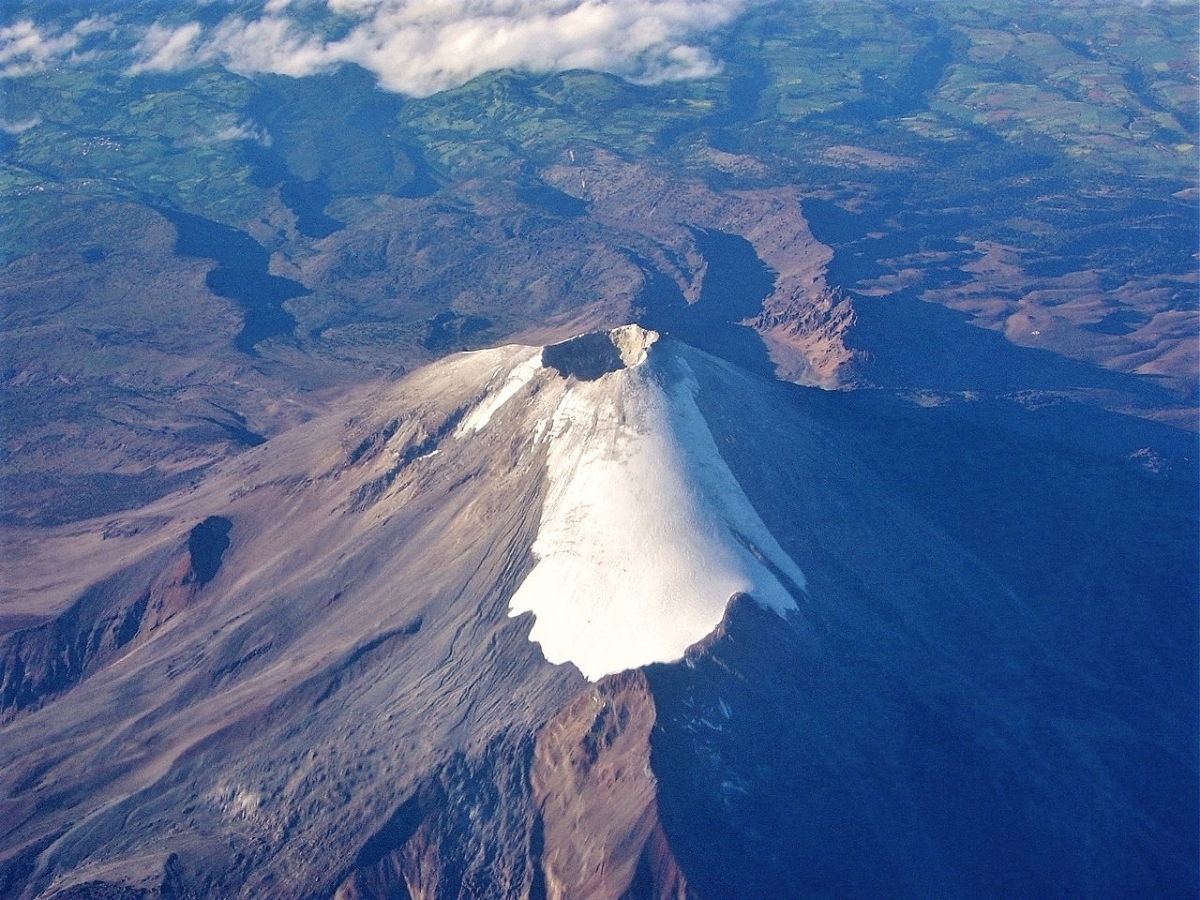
{"x": 518, "y": 377}
{"x": 635, "y": 555}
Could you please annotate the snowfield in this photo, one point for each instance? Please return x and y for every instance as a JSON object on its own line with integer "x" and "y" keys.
{"x": 645, "y": 533}
{"x": 517, "y": 378}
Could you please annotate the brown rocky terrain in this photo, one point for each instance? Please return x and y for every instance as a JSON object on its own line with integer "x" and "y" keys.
{"x": 109, "y": 411}
{"x": 1138, "y": 327}
{"x": 336, "y": 702}
{"x": 596, "y": 794}
{"x": 43, "y": 660}
{"x": 802, "y": 319}
{"x": 912, "y": 379}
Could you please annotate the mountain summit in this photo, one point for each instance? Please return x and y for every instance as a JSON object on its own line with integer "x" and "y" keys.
{"x": 645, "y": 533}
{"x": 610, "y": 618}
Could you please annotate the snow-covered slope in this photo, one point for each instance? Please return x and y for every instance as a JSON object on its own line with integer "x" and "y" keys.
{"x": 645, "y": 533}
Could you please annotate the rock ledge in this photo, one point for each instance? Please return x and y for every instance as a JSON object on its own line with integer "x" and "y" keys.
{"x": 597, "y": 353}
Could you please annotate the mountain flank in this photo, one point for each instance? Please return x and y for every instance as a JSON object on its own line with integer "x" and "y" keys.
{"x": 617, "y": 618}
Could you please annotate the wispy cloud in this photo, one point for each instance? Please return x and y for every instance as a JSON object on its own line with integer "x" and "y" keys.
{"x": 20, "y": 126}
{"x": 166, "y": 49}
{"x": 26, "y": 48}
{"x": 415, "y": 47}
{"x": 422, "y": 46}
{"x": 240, "y": 130}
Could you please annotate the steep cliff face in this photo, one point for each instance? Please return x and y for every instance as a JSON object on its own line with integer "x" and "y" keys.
{"x": 597, "y": 796}
{"x": 805, "y": 335}
{"x": 802, "y": 321}
{"x": 569, "y": 813}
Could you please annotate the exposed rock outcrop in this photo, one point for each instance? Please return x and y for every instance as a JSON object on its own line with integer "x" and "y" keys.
{"x": 571, "y": 815}
{"x": 111, "y": 617}
{"x": 467, "y": 831}
{"x": 597, "y": 795}
{"x": 803, "y": 322}
{"x": 804, "y": 334}
{"x": 597, "y": 353}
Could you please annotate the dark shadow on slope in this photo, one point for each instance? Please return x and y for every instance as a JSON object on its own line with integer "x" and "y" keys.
{"x": 911, "y": 344}
{"x": 736, "y": 282}
{"x": 1005, "y": 707}
{"x": 741, "y": 100}
{"x": 450, "y": 330}
{"x": 241, "y": 274}
{"x": 307, "y": 200}
{"x": 333, "y": 135}
{"x": 1030, "y": 735}
{"x": 586, "y": 357}
{"x": 207, "y": 543}
{"x": 885, "y": 97}
{"x": 553, "y": 201}
{"x": 237, "y": 433}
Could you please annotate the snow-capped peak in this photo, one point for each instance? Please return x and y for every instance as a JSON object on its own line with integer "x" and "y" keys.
{"x": 645, "y": 532}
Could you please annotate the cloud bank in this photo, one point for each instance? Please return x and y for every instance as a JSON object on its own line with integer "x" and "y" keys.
{"x": 419, "y": 47}
{"x": 416, "y": 47}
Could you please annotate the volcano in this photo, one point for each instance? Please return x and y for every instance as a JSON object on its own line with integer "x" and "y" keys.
{"x": 614, "y": 618}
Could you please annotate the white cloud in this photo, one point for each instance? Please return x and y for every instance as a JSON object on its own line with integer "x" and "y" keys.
{"x": 422, "y": 46}
{"x": 413, "y": 46}
{"x": 10, "y": 127}
{"x": 234, "y": 130}
{"x": 166, "y": 49}
{"x": 271, "y": 44}
{"x": 25, "y": 48}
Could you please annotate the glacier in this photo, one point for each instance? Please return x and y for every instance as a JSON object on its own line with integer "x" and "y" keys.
{"x": 645, "y": 532}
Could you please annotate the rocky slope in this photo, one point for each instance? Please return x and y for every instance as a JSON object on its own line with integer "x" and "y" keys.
{"x": 311, "y": 675}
